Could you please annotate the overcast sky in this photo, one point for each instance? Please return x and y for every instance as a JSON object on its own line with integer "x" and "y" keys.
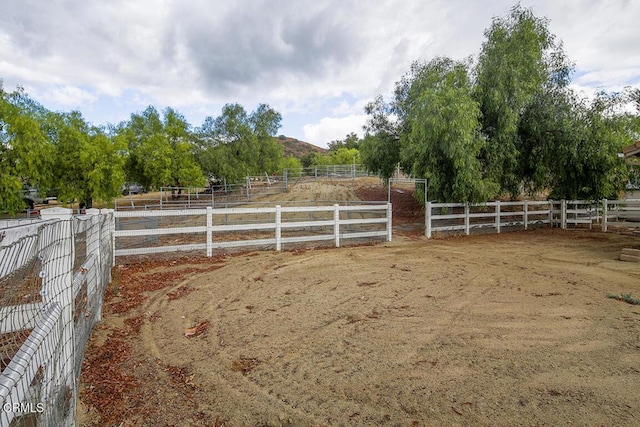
{"x": 316, "y": 62}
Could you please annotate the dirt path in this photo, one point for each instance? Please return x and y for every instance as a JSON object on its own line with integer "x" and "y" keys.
{"x": 511, "y": 329}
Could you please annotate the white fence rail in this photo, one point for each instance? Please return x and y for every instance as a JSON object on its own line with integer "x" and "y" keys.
{"x": 495, "y": 216}
{"x": 491, "y": 215}
{"x": 53, "y": 273}
{"x": 155, "y": 231}
{"x": 620, "y": 214}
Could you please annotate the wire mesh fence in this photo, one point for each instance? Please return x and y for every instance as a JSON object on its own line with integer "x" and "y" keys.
{"x": 53, "y": 273}
{"x": 339, "y": 172}
{"x": 254, "y": 188}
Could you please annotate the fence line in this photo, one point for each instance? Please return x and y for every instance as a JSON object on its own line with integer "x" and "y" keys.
{"x": 53, "y": 273}
{"x": 620, "y": 213}
{"x": 351, "y": 171}
{"x": 559, "y": 213}
{"x": 209, "y": 229}
{"x": 253, "y": 188}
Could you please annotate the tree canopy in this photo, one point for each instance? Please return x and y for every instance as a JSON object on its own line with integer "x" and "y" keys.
{"x": 509, "y": 124}
{"x": 61, "y": 152}
{"x": 236, "y": 144}
{"x": 24, "y": 150}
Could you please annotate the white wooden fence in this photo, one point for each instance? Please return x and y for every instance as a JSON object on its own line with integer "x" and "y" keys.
{"x": 497, "y": 215}
{"x": 276, "y": 226}
{"x": 620, "y": 214}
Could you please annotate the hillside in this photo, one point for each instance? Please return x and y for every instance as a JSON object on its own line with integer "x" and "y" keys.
{"x": 296, "y": 148}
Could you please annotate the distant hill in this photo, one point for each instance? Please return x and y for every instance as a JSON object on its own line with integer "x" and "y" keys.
{"x": 297, "y": 148}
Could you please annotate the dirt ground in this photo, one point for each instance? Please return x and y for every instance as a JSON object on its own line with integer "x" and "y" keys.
{"x": 509, "y": 329}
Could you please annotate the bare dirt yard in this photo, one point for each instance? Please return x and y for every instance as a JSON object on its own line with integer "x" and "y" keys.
{"x": 509, "y": 329}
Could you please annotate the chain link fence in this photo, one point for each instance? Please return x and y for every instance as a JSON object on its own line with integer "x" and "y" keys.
{"x": 53, "y": 274}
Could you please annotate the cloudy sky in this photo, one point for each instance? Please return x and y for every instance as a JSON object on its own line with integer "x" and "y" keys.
{"x": 316, "y": 62}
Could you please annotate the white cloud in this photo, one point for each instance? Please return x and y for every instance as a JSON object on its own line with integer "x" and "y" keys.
{"x": 333, "y": 128}
{"x": 300, "y": 56}
{"x": 71, "y": 96}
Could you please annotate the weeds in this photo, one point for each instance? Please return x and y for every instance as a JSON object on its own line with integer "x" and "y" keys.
{"x": 625, "y": 298}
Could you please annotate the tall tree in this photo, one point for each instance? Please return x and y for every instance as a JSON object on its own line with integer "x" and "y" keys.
{"x": 350, "y": 141}
{"x": 236, "y": 144}
{"x": 89, "y": 164}
{"x": 185, "y": 170}
{"x": 517, "y": 59}
{"x": 160, "y": 150}
{"x": 25, "y": 151}
{"x": 380, "y": 148}
{"x": 440, "y": 138}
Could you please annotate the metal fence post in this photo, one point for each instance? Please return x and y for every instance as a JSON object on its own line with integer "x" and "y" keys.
{"x": 563, "y": 214}
{"x": 525, "y": 215}
{"x": 605, "y": 207}
{"x": 498, "y": 218}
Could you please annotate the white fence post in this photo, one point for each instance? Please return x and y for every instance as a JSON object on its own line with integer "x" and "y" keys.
{"x": 498, "y": 218}
{"x": 466, "y": 218}
{"x": 427, "y": 222}
{"x": 389, "y": 222}
{"x": 278, "y": 228}
{"x": 93, "y": 249}
{"x": 550, "y": 213}
{"x": 209, "y": 231}
{"x": 336, "y": 222}
{"x": 605, "y": 208}
{"x": 58, "y": 288}
{"x": 525, "y": 215}
{"x": 563, "y": 214}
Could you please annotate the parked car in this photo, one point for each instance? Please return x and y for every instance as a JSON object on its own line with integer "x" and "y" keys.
{"x": 132, "y": 188}
{"x": 33, "y": 197}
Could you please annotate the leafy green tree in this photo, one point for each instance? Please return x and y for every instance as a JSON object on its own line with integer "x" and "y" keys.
{"x": 160, "y": 150}
{"x": 149, "y": 152}
{"x": 185, "y": 170}
{"x": 235, "y": 145}
{"x": 89, "y": 164}
{"x": 308, "y": 160}
{"x": 289, "y": 163}
{"x": 25, "y": 152}
{"x": 517, "y": 59}
{"x": 351, "y": 141}
{"x": 344, "y": 156}
{"x": 380, "y": 148}
{"x": 440, "y": 138}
